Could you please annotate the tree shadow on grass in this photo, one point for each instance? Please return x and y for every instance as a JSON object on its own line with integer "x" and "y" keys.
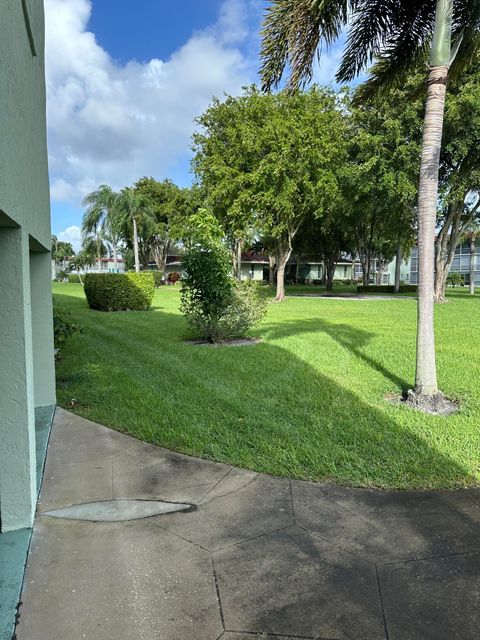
{"x": 257, "y": 407}
{"x": 350, "y": 338}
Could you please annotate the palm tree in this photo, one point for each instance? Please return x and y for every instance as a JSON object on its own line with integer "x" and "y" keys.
{"x": 99, "y": 218}
{"x": 86, "y": 256}
{"x": 133, "y": 208}
{"x": 397, "y": 35}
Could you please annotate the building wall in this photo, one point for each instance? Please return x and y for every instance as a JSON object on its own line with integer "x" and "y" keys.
{"x": 404, "y": 271}
{"x": 252, "y": 271}
{"x": 24, "y": 191}
{"x": 460, "y": 264}
{"x": 26, "y": 327}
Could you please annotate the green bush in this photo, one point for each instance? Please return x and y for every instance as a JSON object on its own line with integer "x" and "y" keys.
{"x": 74, "y": 277}
{"x": 215, "y": 306}
{"x": 119, "y": 291}
{"x": 158, "y": 278}
{"x": 455, "y": 280}
{"x": 63, "y": 327}
{"x": 385, "y": 288}
{"x": 246, "y": 308}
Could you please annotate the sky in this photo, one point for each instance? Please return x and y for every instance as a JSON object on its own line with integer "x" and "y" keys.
{"x": 125, "y": 81}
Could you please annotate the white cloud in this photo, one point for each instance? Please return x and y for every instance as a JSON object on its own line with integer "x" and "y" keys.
{"x": 73, "y": 235}
{"x": 114, "y": 123}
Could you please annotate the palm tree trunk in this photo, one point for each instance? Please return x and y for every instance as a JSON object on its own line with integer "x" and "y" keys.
{"x": 398, "y": 263}
{"x": 472, "y": 264}
{"x": 135, "y": 246}
{"x": 426, "y": 372}
{"x": 114, "y": 249}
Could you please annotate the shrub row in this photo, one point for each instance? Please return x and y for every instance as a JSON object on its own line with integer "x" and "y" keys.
{"x": 385, "y": 288}
{"x": 119, "y": 291}
{"x": 74, "y": 277}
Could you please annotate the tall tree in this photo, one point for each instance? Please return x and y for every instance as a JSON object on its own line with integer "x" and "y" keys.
{"x": 61, "y": 251}
{"x": 270, "y": 161}
{"x": 381, "y": 176}
{"x": 99, "y": 219}
{"x": 135, "y": 214}
{"x": 164, "y": 200}
{"x": 397, "y": 35}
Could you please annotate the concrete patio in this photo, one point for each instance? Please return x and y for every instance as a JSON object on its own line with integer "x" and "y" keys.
{"x": 251, "y": 556}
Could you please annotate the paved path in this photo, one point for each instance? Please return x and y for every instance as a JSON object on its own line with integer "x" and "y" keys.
{"x": 255, "y": 556}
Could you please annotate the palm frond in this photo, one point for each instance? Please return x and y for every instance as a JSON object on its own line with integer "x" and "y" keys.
{"x": 393, "y": 34}
{"x": 292, "y": 33}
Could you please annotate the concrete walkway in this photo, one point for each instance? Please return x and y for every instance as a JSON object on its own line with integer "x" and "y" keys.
{"x": 256, "y": 556}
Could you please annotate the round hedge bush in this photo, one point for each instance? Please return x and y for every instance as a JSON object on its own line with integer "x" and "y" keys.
{"x": 119, "y": 291}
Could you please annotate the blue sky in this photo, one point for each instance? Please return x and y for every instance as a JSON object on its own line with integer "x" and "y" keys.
{"x": 125, "y": 81}
{"x": 147, "y": 29}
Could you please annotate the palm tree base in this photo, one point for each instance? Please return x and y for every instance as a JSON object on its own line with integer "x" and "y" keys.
{"x": 435, "y": 403}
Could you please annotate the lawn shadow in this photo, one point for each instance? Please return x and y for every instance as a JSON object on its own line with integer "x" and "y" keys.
{"x": 350, "y": 338}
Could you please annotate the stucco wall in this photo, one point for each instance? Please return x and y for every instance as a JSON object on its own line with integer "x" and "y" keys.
{"x": 26, "y": 326}
{"x": 24, "y": 191}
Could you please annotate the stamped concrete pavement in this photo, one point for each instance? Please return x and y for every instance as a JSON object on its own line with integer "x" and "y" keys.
{"x": 254, "y": 556}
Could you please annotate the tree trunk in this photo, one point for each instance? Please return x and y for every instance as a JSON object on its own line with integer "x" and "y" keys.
{"x": 398, "y": 264}
{"x": 443, "y": 262}
{"x": 160, "y": 250}
{"x": 281, "y": 260}
{"x": 114, "y": 249}
{"x": 271, "y": 270}
{"x": 135, "y": 246}
{"x": 472, "y": 264}
{"x": 441, "y": 274}
{"x": 365, "y": 270}
{"x": 330, "y": 272}
{"x": 426, "y": 372}
{"x": 238, "y": 256}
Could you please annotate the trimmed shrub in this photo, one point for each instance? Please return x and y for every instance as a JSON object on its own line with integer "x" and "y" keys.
{"x": 74, "y": 278}
{"x": 158, "y": 278}
{"x": 215, "y": 306}
{"x": 119, "y": 291}
{"x": 246, "y": 308}
{"x": 385, "y": 288}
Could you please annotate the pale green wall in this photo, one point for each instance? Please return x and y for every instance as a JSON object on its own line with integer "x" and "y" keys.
{"x": 17, "y": 424}
{"x": 24, "y": 194}
{"x": 26, "y": 329}
{"x": 252, "y": 271}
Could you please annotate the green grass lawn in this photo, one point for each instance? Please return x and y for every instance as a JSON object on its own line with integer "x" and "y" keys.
{"x": 307, "y": 402}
